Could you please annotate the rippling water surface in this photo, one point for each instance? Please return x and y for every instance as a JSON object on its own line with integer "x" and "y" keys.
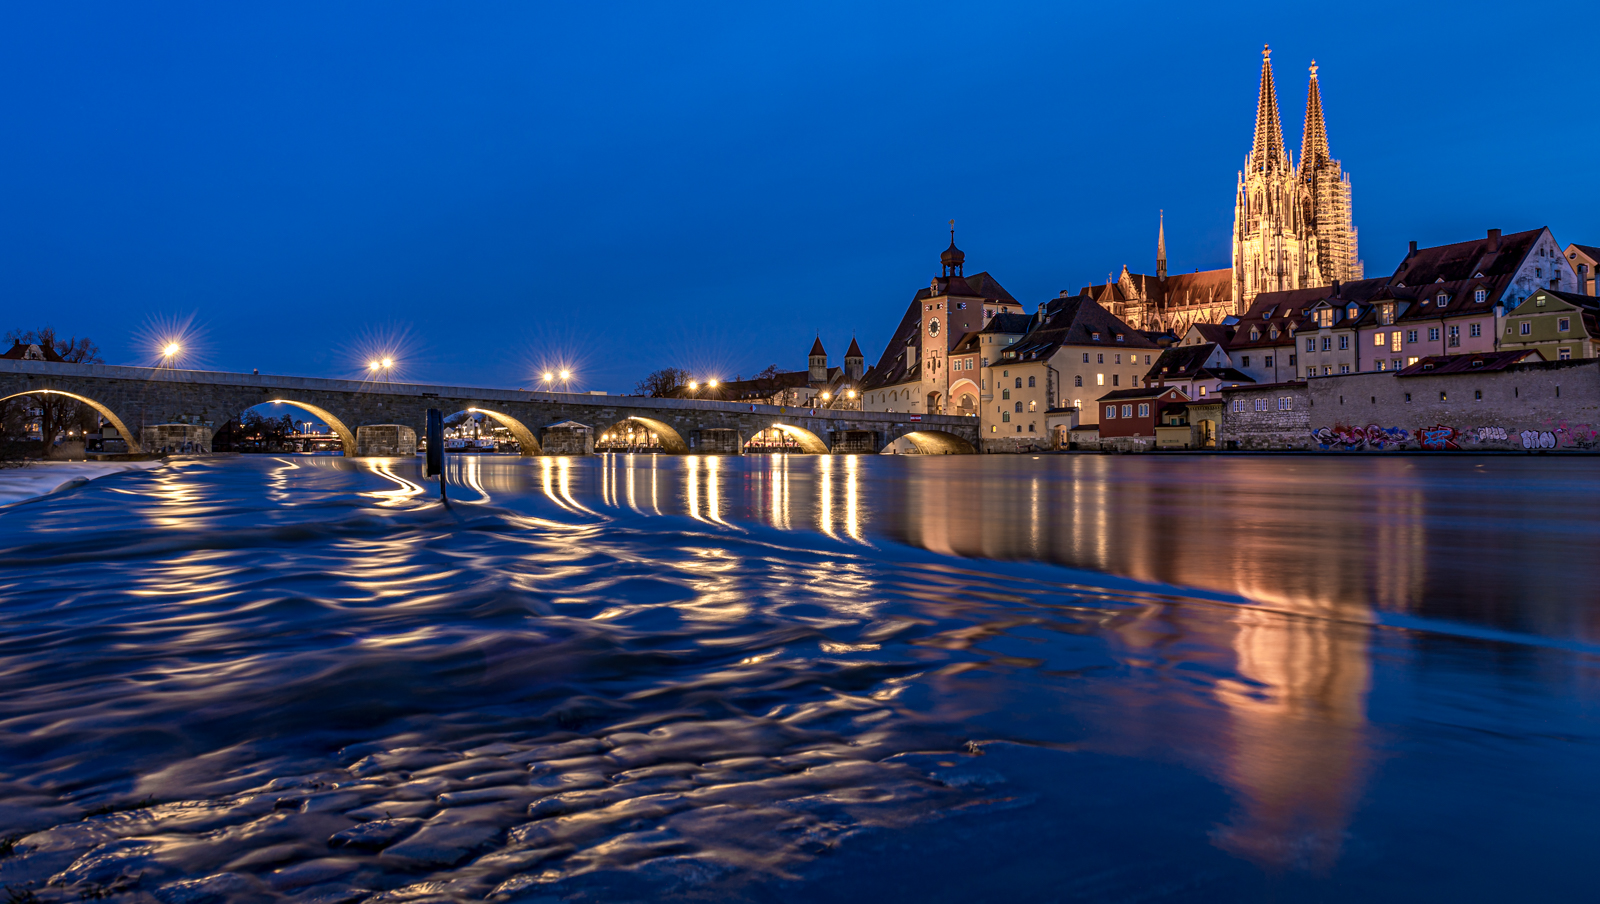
{"x": 1081, "y": 678}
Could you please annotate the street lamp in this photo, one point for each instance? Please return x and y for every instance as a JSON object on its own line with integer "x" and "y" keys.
{"x": 566, "y": 381}
{"x": 693, "y": 387}
{"x": 171, "y": 351}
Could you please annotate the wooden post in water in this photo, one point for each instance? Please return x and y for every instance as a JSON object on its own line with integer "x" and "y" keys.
{"x": 435, "y": 463}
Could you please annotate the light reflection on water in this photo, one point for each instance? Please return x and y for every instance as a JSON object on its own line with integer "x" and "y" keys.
{"x": 642, "y": 676}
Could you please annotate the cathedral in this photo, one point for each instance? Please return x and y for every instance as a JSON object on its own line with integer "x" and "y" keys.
{"x": 1292, "y": 229}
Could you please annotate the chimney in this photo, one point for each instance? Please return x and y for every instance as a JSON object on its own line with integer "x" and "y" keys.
{"x": 1494, "y": 240}
{"x": 1413, "y": 248}
{"x": 1336, "y": 288}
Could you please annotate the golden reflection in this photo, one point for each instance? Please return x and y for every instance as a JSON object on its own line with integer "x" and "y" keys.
{"x": 404, "y": 489}
{"x": 852, "y": 505}
{"x": 471, "y": 474}
{"x": 825, "y": 496}
{"x": 692, "y": 493}
{"x": 714, "y": 490}
{"x": 547, "y": 483}
{"x": 566, "y": 488}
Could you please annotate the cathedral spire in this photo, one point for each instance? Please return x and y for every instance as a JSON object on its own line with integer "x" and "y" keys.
{"x": 1314, "y": 147}
{"x": 1267, "y": 152}
{"x": 1161, "y": 247}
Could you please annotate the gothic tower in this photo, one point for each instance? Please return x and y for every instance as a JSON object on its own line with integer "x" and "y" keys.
{"x": 1329, "y": 189}
{"x": 1161, "y": 248}
{"x": 817, "y": 371}
{"x": 1274, "y": 242}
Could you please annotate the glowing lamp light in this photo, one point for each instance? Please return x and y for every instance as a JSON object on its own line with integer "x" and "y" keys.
{"x": 171, "y": 349}
{"x": 712, "y": 383}
{"x": 388, "y": 362}
{"x": 851, "y": 394}
{"x": 693, "y": 386}
{"x": 566, "y": 375}
{"x": 826, "y": 397}
{"x": 548, "y": 376}
{"x": 373, "y": 365}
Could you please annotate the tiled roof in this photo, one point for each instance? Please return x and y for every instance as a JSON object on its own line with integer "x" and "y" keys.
{"x": 1076, "y": 321}
{"x": 1455, "y": 364}
{"x": 1149, "y": 392}
{"x": 1462, "y": 260}
{"x": 854, "y": 351}
{"x": 817, "y": 350}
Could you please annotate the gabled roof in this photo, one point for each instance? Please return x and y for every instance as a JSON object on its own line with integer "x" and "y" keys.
{"x": 1147, "y": 392}
{"x": 1463, "y": 260}
{"x": 1075, "y": 321}
{"x": 1590, "y": 250}
{"x": 1180, "y": 362}
{"x": 32, "y": 352}
{"x": 1588, "y": 302}
{"x": 903, "y": 355}
{"x": 1455, "y": 364}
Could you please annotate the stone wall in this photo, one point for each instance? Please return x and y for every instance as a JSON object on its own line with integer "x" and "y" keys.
{"x": 386, "y": 440}
{"x": 567, "y": 440}
{"x": 1271, "y": 417}
{"x": 1544, "y": 406}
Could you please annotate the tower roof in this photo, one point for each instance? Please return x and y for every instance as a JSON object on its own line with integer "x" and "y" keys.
{"x": 854, "y": 351}
{"x": 1161, "y": 242}
{"x": 1314, "y": 147}
{"x": 817, "y": 350}
{"x": 1266, "y": 152}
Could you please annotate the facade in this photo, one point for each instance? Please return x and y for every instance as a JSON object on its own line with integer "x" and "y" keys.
{"x": 916, "y": 372}
{"x": 1561, "y": 326}
{"x": 1265, "y": 417}
{"x": 818, "y": 386}
{"x": 1585, "y": 263}
{"x": 1133, "y": 414}
{"x": 1198, "y": 368}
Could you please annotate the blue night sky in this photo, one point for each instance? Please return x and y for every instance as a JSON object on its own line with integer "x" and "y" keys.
{"x": 503, "y": 187}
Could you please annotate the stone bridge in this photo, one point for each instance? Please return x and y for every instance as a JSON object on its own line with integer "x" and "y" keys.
{"x": 139, "y": 400}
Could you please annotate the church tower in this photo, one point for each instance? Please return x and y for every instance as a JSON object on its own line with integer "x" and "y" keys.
{"x": 1274, "y": 242}
{"x": 855, "y": 363}
{"x": 1329, "y": 190}
{"x": 817, "y": 361}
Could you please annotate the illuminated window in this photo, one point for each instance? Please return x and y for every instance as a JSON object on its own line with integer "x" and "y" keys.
{"x": 1033, "y": 406}
{"x": 1412, "y": 360}
{"x": 1378, "y": 339}
{"x": 1099, "y": 379}
{"x": 1327, "y": 370}
{"x": 1202, "y": 392}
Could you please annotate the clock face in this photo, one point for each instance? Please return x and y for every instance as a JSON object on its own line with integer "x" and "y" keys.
{"x": 933, "y": 327}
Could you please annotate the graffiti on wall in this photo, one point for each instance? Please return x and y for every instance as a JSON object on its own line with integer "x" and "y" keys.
{"x": 1533, "y": 439}
{"x": 1573, "y": 436}
{"x": 1438, "y": 438}
{"x": 1488, "y": 434}
{"x": 1347, "y": 437}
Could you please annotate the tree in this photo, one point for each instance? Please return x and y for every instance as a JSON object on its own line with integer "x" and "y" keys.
{"x": 58, "y": 411}
{"x": 770, "y": 372}
{"x": 662, "y": 381}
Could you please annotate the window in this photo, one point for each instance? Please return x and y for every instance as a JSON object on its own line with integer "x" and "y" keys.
{"x": 1030, "y": 426}
{"x": 1480, "y": 296}
{"x": 1078, "y": 404}
{"x": 1288, "y": 403}
{"x": 1111, "y": 412}
{"x": 1395, "y": 364}
{"x": 1378, "y": 340}
{"x": 1344, "y": 343}
{"x": 1327, "y": 370}
{"x": 1077, "y": 380}
{"x": 1099, "y": 379}
{"x": 1525, "y": 327}
{"x": 1408, "y": 397}
{"x": 1311, "y": 345}
{"x": 1394, "y": 341}
{"x": 1412, "y": 360}
{"x": 1117, "y": 359}
{"x": 1563, "y": 325}
{"x": 1443, "y": 397}
{"x": 1411, "y": 335}
{"x": 1033, "y": 406}
{"x": 961, "y": 306}
{"x": 1147, "y": 359}
{"x": 1127, "y": 411}
{"x": 1244, "y": 361}
{"x": 1255, "y": 335}
{"x": 1455, "y": 334}
{"x": 1115, "y": 378}
{"x": 1133, "y": 380}
{"x": 1475, "y": 329}
{"x": 1005, "y": 416}
{"x": 1202, "y": 392}
{"x": 1266, "y": 361}
{"x": 1030, "y": 382}
{"x": 1344, "y": 368}
{"x": 1291, "y": 360}
{"x": 1477, "y": 395}
{"x": 1564, "y": 354}
{"x": 1378, "y": 365}
{"x": 1019, "y": 382}
{"x": 1019, "y": 408}
{"x": 1433, "y": 334}
{"x": 1005, "y": 393}
{"x": 1099, "y": 359}
{"x": 1273, "y": 333}
{"x": 1095, "y": 336}
{"x": 1086, "y": 357}
{"x": 1539, "y": 302}
{"x": 1144, "y": 409}
{"x": 1442, "y": 300}
{"x": 1119, "y": 337}
{"x": 1327, "y": 343}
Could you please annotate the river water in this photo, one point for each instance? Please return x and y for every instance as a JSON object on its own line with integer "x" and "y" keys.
{"x": 631, "y": 678}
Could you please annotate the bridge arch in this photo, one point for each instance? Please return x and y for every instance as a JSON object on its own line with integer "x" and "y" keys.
{"x": 525, "y": 438}
{"x": 938, "y": 442}
{"x": 671, "y": 440}
{"x": 809, "y": 442}
{"x": 133, "y": 442}
{"x": 347, "y": 437}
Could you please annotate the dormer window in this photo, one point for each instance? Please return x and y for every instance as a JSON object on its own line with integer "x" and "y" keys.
{"x": 1399, "y": 285}
{"x": 1255, "y": 334}
{"x": 1439, "y": 280}
{"x": 1423, "y": 303}
{"x": 1480, "y": 296}
{"x": 1351, "y": 312}
{"x": 1442, "y": 300}
{"x": 1477, "y": 362}
{"x": 1273, "y": 333}
{"x": 1095, "y": 336}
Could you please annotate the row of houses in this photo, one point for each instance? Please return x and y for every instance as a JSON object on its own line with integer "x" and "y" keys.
{"x": 1073, "y": 368}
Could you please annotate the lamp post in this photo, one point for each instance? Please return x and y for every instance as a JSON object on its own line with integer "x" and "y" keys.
{"x": 546, "y": 377}
{"x": 379, "y": 367}
{"x": 566, "y": 381}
